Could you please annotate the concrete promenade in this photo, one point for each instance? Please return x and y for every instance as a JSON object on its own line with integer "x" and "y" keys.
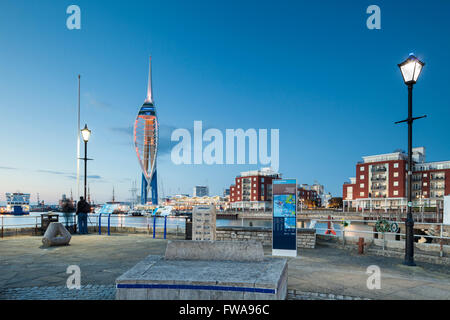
{"x": 30, "y": 271}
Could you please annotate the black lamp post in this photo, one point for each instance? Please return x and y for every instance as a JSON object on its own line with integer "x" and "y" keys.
{"x": 86, "y": 134}
{"x": 411, "y": 69}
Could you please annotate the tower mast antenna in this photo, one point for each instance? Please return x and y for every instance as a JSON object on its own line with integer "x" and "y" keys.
{"x": 78, "y": 140}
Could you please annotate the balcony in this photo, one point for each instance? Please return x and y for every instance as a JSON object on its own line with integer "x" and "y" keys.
{"x": 378, "y": 179}
{"x": 379, "y": 169}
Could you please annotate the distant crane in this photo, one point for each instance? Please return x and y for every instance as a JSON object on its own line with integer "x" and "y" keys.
{"x": 133, "y": 191}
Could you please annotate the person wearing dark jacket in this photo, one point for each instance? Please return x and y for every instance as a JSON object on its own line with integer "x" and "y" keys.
{"x": 82, "y": 211}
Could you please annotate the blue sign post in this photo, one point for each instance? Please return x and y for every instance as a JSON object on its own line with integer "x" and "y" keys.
{"x": 284, "y": 228}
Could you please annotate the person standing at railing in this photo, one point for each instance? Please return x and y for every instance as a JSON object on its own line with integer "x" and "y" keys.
{"x": 82, "y": 211}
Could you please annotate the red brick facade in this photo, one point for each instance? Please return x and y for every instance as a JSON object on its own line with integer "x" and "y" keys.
{"x": 381, "y": 181}
{"x": 308, "y": 196}
{"x": 251, "y": 188}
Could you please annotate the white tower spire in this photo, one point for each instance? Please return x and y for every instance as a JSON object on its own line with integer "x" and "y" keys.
{"x": 149, "y": 98}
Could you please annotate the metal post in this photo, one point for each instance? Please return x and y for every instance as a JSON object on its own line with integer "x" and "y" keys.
{"x": 409, "y": 246}
{"x": 165, "y": 226}
{"x": 2, "y": 226}
{"x": 100, "y": 223}
{"x": 154, "y": 226}
{"x": 109, "y": 224}
{"x": 343, "y": 235}
{"x": 85, "y": 169}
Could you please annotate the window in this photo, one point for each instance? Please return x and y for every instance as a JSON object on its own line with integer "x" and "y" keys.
{"x": 396, "y": 165}
{"x": 395, "y": 183}
{"x": 425, "y": 193}
{"x": 254, "y": 179}
{"x": 425, "y": 184}
{"x": 254, "y": 191}
{"x": 262, "y": 179}
{"x": 361, "y": 185}
{"x": 239, "y": 192}
{"x": 361, "y": 177}
{"x": 239, "y": 186}
{"x": 362, "y": 168}
{"x": 395, "y": 174}
{"x": 361, "y": 194}
{"x": 254, "y": 185}
{"x": 395, "y": 192}
{"x": 425, "y": 175}
{"x": 349, "y": 189}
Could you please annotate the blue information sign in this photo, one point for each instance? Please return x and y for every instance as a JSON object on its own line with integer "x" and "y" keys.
{"x": 284, "y": 228}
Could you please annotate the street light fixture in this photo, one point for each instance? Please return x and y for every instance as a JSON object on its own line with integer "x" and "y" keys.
{"x": 86, "y": 134}
{"x": 410, "y": 69}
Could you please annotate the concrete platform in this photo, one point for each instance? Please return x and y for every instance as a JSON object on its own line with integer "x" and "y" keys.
{"x": 28, "y": 269}
{"x": 156, "y": 278}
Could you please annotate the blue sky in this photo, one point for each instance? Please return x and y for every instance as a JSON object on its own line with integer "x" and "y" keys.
{"x": 311, "y": 69}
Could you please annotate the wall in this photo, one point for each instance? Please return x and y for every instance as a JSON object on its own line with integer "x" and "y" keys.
{"x": 306, "y": 238}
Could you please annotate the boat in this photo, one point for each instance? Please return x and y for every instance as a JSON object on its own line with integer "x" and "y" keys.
{"x": 163, "y": 211}
{"x": 17, "y": 203}
{"x": 137, "y": 213}
{"x": 113, "y": 207}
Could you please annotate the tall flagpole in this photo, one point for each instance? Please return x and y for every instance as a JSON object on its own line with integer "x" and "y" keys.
{"x": 78, "y": 142}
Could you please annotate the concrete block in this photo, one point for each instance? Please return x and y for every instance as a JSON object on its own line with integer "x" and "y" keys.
{"x": 210, "y": 280}
{"x": 214, "y": 250}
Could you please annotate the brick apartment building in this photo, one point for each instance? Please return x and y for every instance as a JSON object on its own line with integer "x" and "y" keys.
{"x": 253, "y": 190}
{"x": 308, "y": 197}
{"x": 381, "y": 182}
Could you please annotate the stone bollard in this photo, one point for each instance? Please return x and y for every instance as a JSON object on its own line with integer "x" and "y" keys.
{"x": 56, "y": 235}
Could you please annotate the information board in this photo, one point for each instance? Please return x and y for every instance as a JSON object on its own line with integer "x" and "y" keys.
{"x": 284, "y": 219}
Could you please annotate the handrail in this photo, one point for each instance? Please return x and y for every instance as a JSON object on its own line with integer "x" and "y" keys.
{"x": 165, "y": 226}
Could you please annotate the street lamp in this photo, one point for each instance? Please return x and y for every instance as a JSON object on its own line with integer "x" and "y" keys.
{"x": 86, "y": 134}
{"x": 410, "y": 69}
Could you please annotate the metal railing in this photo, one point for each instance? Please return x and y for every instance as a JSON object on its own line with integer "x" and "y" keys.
{"x": 149, "y": 224}
{"x": 19, "y": 223}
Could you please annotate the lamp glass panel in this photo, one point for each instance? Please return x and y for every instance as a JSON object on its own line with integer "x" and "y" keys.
{"x": 408, "y": 70}
{"x": 418, "y": 70}
{"x": 86, "y": 133}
